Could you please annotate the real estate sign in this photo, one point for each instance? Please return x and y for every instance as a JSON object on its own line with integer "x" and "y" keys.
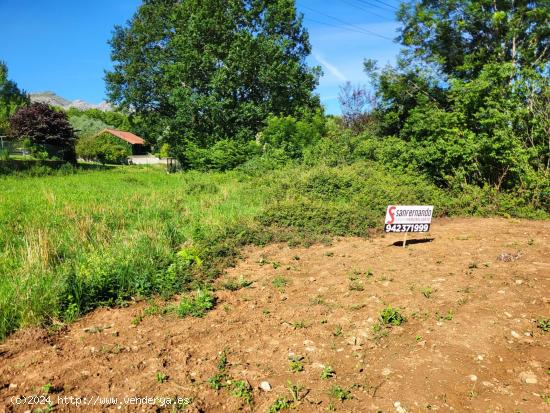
{"x": 408, "y": 218}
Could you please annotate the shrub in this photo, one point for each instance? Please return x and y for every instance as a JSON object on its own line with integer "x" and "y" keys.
{"x": 198, "y": 305}
{"x": 223, "y": 155}
{"x": 104, "y": 148}
{"x": 292, "y": 135}
{"x": 47, "y": 130}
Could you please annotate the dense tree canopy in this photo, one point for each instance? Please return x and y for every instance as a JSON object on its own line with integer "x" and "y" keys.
{"x": 11, "y": 98}
{"x": 201, "y": 71}
{"x": 470, "y": 96}
{"x": 461, "y": 36}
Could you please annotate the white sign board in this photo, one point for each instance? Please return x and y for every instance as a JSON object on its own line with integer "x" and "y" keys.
{"x": 408, "y": 218}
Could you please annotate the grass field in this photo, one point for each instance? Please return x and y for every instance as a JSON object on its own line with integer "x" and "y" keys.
{"x": 70, "y": 243}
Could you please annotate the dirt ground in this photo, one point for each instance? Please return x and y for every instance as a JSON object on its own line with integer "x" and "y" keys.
{"x": 472, "y": 297}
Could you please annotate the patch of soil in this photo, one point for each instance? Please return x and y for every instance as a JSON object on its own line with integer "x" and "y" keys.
{"x": 470, "y": 342}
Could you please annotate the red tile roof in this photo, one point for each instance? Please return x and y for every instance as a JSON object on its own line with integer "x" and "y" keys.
{"x": 126, "y": 136}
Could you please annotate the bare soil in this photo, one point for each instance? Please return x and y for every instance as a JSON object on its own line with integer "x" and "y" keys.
{"x": 472, "y": 295}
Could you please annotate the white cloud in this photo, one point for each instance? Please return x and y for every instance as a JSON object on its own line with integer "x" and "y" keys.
{"x": 331, "y": 68}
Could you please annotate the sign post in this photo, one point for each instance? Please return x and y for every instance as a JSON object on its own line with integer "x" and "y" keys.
{"x": 408, "y": 218}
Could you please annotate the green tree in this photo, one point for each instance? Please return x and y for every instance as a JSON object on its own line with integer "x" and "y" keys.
{"x": 461, "y": 36}
{"x": 11, "y": 98}
{"x": 201, "y": 71}
{"x": 104, "y": 148}
{"x": 469, "y": 96}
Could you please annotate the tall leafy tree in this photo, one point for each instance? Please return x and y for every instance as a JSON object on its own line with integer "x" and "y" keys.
{"x": 11, "y": 98}
{"x": 470, "y": 92}
{"x": 461, "y": 36}
{"x": 206, "y": 70}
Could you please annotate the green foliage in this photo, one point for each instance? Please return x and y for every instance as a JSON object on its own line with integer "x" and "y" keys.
{"x": 114, "y": 119}
{"x": 544, "y": 324}
{"x": 291, "y": 135}
{"x": 328, "y": 373}
{"x": 279, "y": 404}
{"x": 392, "y": 316}
{"x": 223, "y": 155}
{"x": 142, "y": 232}
{"x": 198, "y": 305}
{"x": 86, "y": 126}
{"x": 104, "y": 148}
{"x": 165, "y": 151}
{"x": 484, "y": 31}
{"x": 339, "y": 393}
{"x": 468, "y": 106}
{"x": 198, "y": 71}
{"x": 242, "y": 390}
{"x": 11, "y": 98}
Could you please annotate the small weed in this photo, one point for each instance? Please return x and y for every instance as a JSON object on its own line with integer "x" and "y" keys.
{"x": 223, "y": 363}
{"x": 296, "y": 258}
{"x": 379, "y": 331}
{"x": 242, "y": 390}
{"x": 276, "y": 264}
{"x": 136, "y": 321}
{"x": 233, "y": 284}
{"x": 263, "y": 260}
{"x": 472, "y": 265}
{"x": 46, "y": 388}
{"x": 279, "y": 282}
{"x": 546, "y": 398}
{"x": 531, "y": 241}
{"x": 392, "y": 316}
{"x": 196, "y": 306}
{"x": 217, "y": 381}
{"x": 298, "y": 324}
{"x": 356, "y": 286}
{"x": 337, "y": 332}
{"x": 317, "y": 301}
{"x": 544, "y": 324}
{"x": 161, "y": 377}
{"x": 339, "y": 393}
{"x": 328, "y": 373}
{"x": 427, "y": 292}
{"x": 329, "y": 254}
{"x": 296, "y": 366}
{"x": 418, "y": 337}
{"x": 294, "y": 390}
{"x": 442, "y": 317}
{"x": 280, "y": 403}
{"x": 369, "y": 273}
{"x": 265, "y": 311}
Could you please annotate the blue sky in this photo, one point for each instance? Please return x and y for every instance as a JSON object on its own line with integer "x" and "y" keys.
{"x": 61, "y": 45}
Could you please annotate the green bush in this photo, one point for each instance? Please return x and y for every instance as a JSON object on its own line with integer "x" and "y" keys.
{"x": 223, "y": 155}
{"x": 292, "y": 135}
{"x": 104, "y": 148}
{"x": 198, "y": 305}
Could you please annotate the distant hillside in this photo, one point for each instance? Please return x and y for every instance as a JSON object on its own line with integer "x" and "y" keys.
{"x": 52, "y": 99}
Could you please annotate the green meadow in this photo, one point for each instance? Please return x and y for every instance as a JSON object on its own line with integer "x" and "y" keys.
{"x": 80, "y": 239}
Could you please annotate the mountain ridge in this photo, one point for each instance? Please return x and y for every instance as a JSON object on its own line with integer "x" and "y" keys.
{"x": 53, "y": 99}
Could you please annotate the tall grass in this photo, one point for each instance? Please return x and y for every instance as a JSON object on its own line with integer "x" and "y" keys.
{"x": 71, "y": 243}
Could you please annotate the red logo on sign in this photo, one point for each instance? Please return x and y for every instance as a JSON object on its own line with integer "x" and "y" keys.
{"x": 391, "y": 213}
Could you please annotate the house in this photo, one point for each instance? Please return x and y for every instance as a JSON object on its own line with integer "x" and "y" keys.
{"x": 139, "y": 147}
